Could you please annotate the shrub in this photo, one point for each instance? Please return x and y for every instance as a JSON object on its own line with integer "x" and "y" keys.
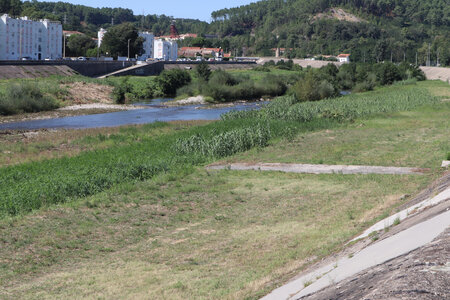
{"x": 170, "y": 80}
{"x": 364, "y": 86}
{"x": 25, "y": 97}
{"x": 387, "y": 73}
{"x": 203, "y": 71}
{"x": 121, "y": 90}
{"x": 311, "y": 88}
{"x": 221, "y": 77}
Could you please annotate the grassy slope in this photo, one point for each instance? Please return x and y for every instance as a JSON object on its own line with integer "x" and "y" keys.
{"x": 221, "y": 234}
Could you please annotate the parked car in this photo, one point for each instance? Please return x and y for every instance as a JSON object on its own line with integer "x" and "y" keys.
{"x": 26, "y": 58}
{"x": 82, "y": 58}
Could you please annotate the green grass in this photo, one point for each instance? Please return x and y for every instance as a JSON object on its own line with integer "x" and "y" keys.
{"x": 182, "y": 232}
{"x": 55, "y": 181}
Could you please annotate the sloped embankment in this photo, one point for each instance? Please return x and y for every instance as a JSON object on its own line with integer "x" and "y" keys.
{"x": 34, "y": 71}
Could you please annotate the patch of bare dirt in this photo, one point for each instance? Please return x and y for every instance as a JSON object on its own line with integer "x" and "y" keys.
{"x": 338, "y": 14}
{"x": 82, "y": 92}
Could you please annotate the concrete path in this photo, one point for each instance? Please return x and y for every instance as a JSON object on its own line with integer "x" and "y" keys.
{"x": 380, "y": 252}
{"x": 319, "y": 169}
{"x": 118, "y": 72}
{"x": 441, "y": 197}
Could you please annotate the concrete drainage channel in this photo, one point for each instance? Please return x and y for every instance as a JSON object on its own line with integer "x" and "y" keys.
{"x": 320, "y": 169}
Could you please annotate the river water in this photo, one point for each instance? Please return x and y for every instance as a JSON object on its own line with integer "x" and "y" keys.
{"x": 155, "y": 111}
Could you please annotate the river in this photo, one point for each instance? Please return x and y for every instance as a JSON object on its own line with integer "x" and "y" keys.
{"x": 155, "y": 111}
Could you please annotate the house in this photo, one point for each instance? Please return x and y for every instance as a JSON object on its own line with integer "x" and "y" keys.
{"x": 193, "y": 51}
{"x": 344, "y": 58}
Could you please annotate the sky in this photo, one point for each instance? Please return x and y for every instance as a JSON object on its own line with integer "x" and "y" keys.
{"x": 192, "y": 9}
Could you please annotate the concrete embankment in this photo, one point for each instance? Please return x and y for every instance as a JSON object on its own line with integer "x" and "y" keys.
{"x": 436, "y": 73}
{"x": 35, "y": 71}
{"x": 32, "y": 69}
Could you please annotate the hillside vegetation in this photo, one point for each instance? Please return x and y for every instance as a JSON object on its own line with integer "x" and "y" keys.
{"x": 371, "y": 30}
{"x": 401, "y": 27}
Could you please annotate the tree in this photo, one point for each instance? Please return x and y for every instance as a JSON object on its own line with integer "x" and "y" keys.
{"x": 116, "y": 40}
{"x": 12, "y": 7}
{"x": 78, "y": 44}
{"x": 203, "y": 71}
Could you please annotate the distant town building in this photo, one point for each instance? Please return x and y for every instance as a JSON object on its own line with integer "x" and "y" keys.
{"x": 26, "y": 39}
{"x": 100, "y": 35}
{"x": 147, "y": 46}
{"x": 344, "y": 58}
{"x": 194, "y": 51}
{"x": 165, "y": 50}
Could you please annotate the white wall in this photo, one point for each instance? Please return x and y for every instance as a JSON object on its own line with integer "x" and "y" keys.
{"x": 165, "y": 50}
{"x": 25, "y": 38}
{"x": 147, "y": 45}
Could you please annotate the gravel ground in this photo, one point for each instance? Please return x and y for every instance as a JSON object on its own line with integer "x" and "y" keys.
{"x": 99, "y": 106}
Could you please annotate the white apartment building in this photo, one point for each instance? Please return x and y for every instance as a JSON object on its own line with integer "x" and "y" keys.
{"x": 24, "y": 38}
{"x": 166, "y": 50}
{"x": 149, "y": 39}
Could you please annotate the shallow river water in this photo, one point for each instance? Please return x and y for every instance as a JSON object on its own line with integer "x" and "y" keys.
{"x": 155, "y": 112}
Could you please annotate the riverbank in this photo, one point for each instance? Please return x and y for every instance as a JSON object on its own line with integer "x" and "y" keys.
{"x": 177, "y": 230}
{"x": 69, "y": 111}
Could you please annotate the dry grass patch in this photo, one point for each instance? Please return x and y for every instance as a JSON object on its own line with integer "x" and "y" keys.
{"x": 236, "y": 235}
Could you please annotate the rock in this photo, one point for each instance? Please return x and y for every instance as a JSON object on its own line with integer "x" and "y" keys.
{"x": 445, "y": 164}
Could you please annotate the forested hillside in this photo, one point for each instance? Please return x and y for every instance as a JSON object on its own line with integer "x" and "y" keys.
{"x": 381, "y": 29}
{"x": 88, "y": 19}
{"x": 370, "y": 30}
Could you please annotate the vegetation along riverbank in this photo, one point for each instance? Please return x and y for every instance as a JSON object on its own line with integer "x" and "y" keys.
{"x": 135, "y": 204}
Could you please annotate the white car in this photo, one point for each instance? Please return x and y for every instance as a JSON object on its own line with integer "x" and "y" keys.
{"x": 82, "y": 58}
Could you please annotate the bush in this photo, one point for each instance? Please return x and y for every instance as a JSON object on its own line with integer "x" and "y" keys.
{"x": 408, "y": 71}
{"x": 121, "y": 90}
{"x": 387, "y": 73}
{"x": 221, "y": 77}
{"x": 364, "y": 86}
{"x": 170, "y": 80}
{"x": 203, "y": 71}
{"x": 311, "y": 88}
{"x": 25, "y": 97}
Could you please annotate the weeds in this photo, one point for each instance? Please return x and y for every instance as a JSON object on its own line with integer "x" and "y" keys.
{"x": 25, "y": 97}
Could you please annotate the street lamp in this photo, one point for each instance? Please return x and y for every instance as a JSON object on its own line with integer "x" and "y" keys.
{"x": 129, "y": 49}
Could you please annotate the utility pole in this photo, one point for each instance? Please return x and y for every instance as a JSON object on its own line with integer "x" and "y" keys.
{"x": 20, "y": 43}
{"x": 391, "y": 56}
{"x": 129, "y": 49}
{"x": 429, "y": 55}
{"x": 112, "y": 21}
{"x": 65, "y": 18}
{"x": 416, "y": 60}
{"x": 437, "y": 58}
{"x": 64, "y": 45}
